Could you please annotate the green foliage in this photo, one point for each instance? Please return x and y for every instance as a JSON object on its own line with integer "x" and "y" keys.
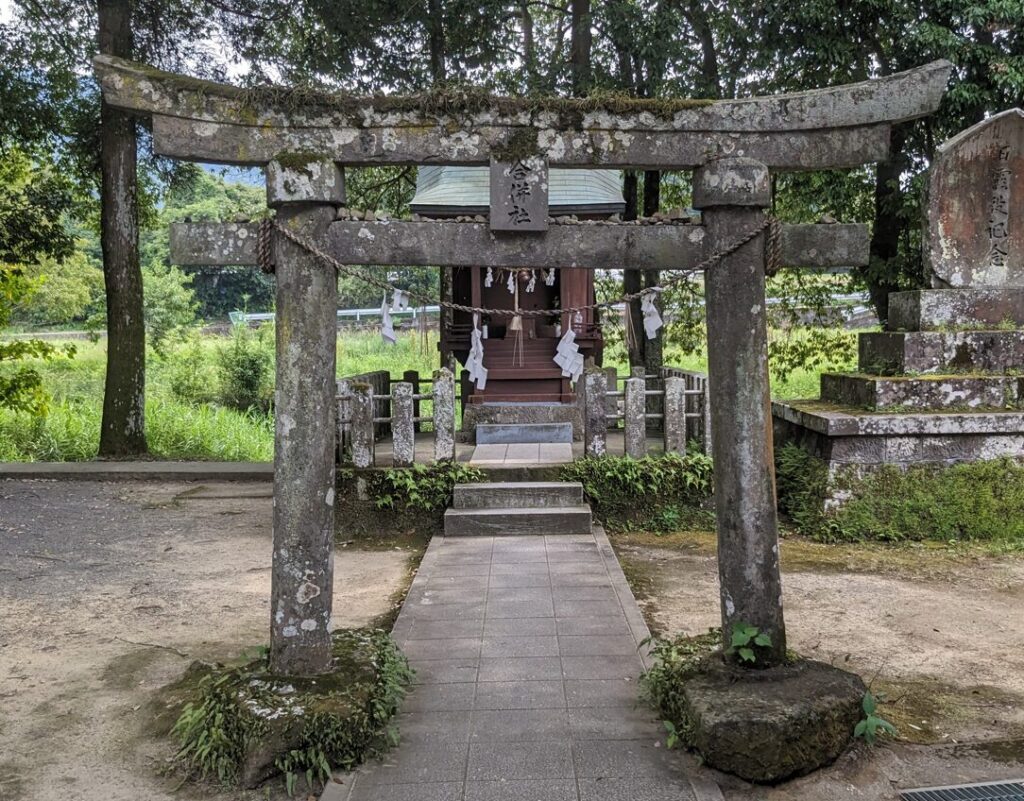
{"x": 70, "y": 432}
{"x": 745, "y": 640}
{"x": 21, "y": 386}
{"x": 870, "y": 727}
{"x": 802, "y": 485}
{"x": 422, "y": 488}
{"x": 168, "y": 302}
{"x": 67, "y": 291}
{"x": 656, "y": 493}
{"x": 675, "y": 661}
{"x": 244, "y": 368}
{"x": 979, "y": 501}
{"x": 334, "y": 721}
{"x": 34, "y": 199}
{"x": 191, "y": 374}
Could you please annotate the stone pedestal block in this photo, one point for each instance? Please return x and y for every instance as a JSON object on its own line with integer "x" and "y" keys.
{"x": 768, "y": 725}
{"x": 893, "y": 353}
{"x": 923, "y": 392}
{"x": 941, "y": 309}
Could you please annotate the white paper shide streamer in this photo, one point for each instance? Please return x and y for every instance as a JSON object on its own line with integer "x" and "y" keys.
{"x": 489, "y": 278}
{"x": 568, "y": 356}
{"x": 652, "y": 319}
{"x": 387, "y": 327}
{"x": 475, "y": 361}
{"x": 400, "y": 302}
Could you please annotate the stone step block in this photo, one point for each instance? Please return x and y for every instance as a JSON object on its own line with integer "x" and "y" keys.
{"x": 522, "y": 433}
{"x": 522, "y": 494}
{"x": 517, "y": 521}
{"x": 938, "y": 309}
{"x": 896, "y": 353}
{"x": 923, "y": 392}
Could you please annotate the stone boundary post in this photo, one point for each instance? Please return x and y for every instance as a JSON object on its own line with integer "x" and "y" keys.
{"x": 674, "y": 422}
{"x": 732, "y": 194}
{"x": 363, "y": 440}
{"x": 403, "y": 435}
{"x": 302, "y": 574}
{"x": 595, "y": 413}
{"x": 444, "y": 415}
{"x": 344, "y": 425}
{"x": 635, "y": 416}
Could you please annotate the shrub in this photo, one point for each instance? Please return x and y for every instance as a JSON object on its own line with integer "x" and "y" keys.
{"x": 975, "y": 501}
{"x": 422, "y": 488}
{"x": 190, "y": 374}
{"x": 659, "y": 493}
{"x": 244, "y": 366}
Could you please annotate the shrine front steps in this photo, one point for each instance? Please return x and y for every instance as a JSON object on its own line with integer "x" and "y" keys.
{"x": 923, "y": 392}
{"x": 518, "y": 508}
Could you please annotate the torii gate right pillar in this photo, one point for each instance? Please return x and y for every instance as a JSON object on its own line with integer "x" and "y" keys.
{"x": 732, "y": 195}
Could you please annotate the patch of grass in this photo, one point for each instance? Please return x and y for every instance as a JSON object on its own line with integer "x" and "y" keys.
{"x": 675, "y": 661}
{"x": 978, "y": 501}
{"x": 926, "y": 710}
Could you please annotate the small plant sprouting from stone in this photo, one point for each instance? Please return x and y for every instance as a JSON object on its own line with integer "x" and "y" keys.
{"x": 745, "y": 638}
{"x": 870, "y": 727}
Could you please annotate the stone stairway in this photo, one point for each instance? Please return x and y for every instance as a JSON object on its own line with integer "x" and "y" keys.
{"x": 514, "y": 508}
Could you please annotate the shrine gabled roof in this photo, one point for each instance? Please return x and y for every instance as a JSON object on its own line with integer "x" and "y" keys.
{"x": 466, "y": 190}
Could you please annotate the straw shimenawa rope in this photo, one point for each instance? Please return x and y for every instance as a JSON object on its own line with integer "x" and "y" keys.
{"x": 268, "y": 227}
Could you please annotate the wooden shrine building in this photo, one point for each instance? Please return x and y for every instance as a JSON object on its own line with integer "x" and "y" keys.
{"x": 518, "y": 353}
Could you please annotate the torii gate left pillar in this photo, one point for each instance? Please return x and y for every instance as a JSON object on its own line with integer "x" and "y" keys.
{"x": 305, "y": 195}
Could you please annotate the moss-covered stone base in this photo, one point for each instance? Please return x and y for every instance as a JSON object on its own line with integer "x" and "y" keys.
{"x": 244, "y": 725}
{"x": 768, "y": 725}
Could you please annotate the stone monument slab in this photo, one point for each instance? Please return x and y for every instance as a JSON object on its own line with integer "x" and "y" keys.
{"x": 976, "y": 206}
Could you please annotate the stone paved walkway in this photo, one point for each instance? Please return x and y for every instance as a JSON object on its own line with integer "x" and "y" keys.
{"x": 526, "y": 652}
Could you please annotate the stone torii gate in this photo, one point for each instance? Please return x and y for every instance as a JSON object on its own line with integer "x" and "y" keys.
{"x": 303, "y": 142}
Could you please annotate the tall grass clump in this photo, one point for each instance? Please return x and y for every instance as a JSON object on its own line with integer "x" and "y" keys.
{"x": 974, "y": 502}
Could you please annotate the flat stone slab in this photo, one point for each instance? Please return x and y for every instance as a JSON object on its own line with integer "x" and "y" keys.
{"x": 527, "y": 654}
{"x": 523, "y": 433}
{"x": 522, "y": 454}
{"x": 836, "y": 422}
{"x": 517, "y": 521}
{"x": 506, "y": 494}
{"x": 769, "y": 725}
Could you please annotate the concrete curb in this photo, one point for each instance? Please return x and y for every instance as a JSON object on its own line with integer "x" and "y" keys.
{"x": 138, "y": 471}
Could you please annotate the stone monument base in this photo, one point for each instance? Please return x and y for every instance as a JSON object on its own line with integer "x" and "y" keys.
{"x": 948, "y": 390}
{"x": 768, "y": 725}
{"x": 497, "y": 413}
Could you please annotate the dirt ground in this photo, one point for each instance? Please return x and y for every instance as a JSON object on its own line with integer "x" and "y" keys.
{"x": 108, "y": 592}
{"x": 937, "y": 633}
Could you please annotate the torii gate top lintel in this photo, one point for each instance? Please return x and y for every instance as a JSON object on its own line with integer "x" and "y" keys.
{"x": 841, "y": 126}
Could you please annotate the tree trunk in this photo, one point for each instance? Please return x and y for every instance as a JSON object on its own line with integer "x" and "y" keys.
{"x": 652, "y": 349}
{"x": 435, "y": 21}
{"x": 580, "y": 48}
{"x": 632, "y": 280}
{"x": 122, "y": 431}
{"x": 885, "y": 234}
{"x": 529, "y": 49}
{"x": 710, "y": 81}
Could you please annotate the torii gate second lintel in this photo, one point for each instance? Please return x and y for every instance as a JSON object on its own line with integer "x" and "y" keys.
{"x": 732, "y": 144}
